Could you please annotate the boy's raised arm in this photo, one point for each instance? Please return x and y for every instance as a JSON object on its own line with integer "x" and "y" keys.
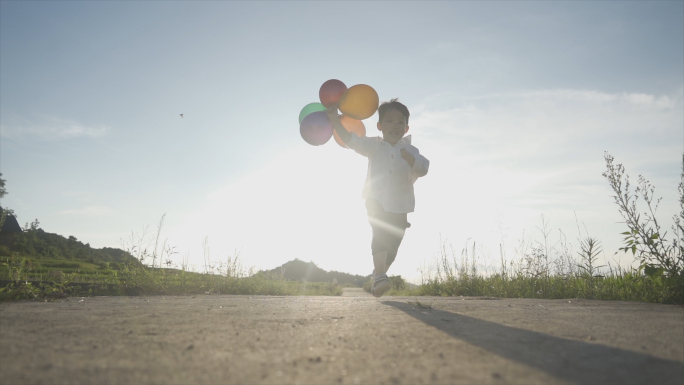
{"x": 339, "y": 128}
{"x": 421, "y": 165}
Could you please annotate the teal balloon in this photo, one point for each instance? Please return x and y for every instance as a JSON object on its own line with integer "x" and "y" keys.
{"x": 309, "y": 108}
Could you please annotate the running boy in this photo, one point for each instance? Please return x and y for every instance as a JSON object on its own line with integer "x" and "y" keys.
{"x": 393, "y": 167}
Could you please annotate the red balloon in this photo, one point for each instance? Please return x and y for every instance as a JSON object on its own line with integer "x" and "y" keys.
{"x": 316, "y": 128}
{"x": 330, "y": 92}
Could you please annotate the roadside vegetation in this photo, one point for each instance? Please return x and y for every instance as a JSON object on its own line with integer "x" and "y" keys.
{"x": 28, "y": 277}
{"x": 37, "y": 265}
{"x": 42, "y": 266}
{"x": 549, "y": 269}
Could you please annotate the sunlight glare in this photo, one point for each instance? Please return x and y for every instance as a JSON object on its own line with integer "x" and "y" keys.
{"x": 304, "y": 204}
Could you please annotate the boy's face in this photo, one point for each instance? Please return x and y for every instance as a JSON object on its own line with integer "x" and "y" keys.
{"x": 393, "y": 126}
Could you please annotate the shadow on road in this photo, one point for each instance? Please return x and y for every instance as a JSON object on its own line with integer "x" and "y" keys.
{"x": 570, "y": 360}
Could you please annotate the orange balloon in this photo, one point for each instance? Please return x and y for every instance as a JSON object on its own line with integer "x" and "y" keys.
{"x": 352, "y": 125}
{"x": 359, "y": 102}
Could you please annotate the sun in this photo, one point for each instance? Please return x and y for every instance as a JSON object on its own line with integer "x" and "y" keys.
{"x": 304, "y": 203}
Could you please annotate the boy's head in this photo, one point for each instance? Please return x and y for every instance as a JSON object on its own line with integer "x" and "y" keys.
{"x": 393, "y": 120}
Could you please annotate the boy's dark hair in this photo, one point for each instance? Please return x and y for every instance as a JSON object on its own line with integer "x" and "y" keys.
{"x": 393, "y": 105}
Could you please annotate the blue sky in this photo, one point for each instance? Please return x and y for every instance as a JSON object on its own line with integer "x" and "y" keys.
{"x": 514, "y": 103}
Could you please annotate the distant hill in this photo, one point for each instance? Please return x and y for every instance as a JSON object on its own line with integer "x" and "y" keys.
{"x": 40, "y": 244}
{"x": 297, "y": 270}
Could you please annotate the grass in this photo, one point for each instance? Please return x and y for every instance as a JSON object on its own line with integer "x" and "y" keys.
{"x": 27, "y": 278}
{"x": 542, "y": 273}
{"x": 38, "y": 270}
{"x": 540, "y": 270}
{"x": 537, "y": 273}
{"x": 37, "y": 275}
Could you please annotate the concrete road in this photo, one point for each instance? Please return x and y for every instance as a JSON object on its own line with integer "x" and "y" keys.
{"x": 354, "y": 339}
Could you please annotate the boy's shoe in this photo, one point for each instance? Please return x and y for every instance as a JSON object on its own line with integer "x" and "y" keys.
{"x": 380, "y": 285}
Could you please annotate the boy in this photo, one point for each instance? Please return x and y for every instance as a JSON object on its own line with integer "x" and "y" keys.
{"x": 393, "y": 167}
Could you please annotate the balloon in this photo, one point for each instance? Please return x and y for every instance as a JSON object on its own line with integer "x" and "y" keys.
{"x": 309, "y": 108}
{"x": 359, "y": 102}
{"x": 352, "y": 125}
{"x": 331, "y": 91}
{"x": 316, "y": 129}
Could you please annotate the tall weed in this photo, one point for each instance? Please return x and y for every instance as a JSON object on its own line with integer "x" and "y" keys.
{"x": 659, "y": 258}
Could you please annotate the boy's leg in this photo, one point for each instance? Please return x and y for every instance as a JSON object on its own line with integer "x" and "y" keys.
{"x": 380, "y": 263}
{"x": 378, "y": 249}
{"x": 380, "y": 246}
{"x": 389, "y": 260}
{"x": 395, "y": 237}
{"x": 388, "y": 232}
{"x": 386, "y": 239}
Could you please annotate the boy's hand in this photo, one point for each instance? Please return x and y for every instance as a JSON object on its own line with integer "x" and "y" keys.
{"x": 410, "y": 159}
{"x": 335, "y": 121}
{"x": 332, "y": 111}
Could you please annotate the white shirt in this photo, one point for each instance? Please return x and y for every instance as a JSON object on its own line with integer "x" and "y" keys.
{"x": 390, "y": 179}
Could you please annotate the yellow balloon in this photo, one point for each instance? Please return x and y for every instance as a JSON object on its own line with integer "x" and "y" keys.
{"x": 359, "y": 102}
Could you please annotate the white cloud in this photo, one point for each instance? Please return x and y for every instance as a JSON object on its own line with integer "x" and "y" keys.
{"x": 587, "y": 96}
{"x": 51, "y": 128}
{"x": 549, "y": 123}
{"x": 89, "y": 211}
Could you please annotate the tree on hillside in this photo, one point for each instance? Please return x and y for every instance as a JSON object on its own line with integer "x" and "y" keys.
{"x": 3, "y": 212}
{"x": 8, "y": 220}
{"x": 3, "y": 191}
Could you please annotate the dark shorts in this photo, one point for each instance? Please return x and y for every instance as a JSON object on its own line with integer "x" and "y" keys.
{"x": 388, "y": 229}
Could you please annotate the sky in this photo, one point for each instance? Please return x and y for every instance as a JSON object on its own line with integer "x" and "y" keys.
{"x": 514, "y": 103}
